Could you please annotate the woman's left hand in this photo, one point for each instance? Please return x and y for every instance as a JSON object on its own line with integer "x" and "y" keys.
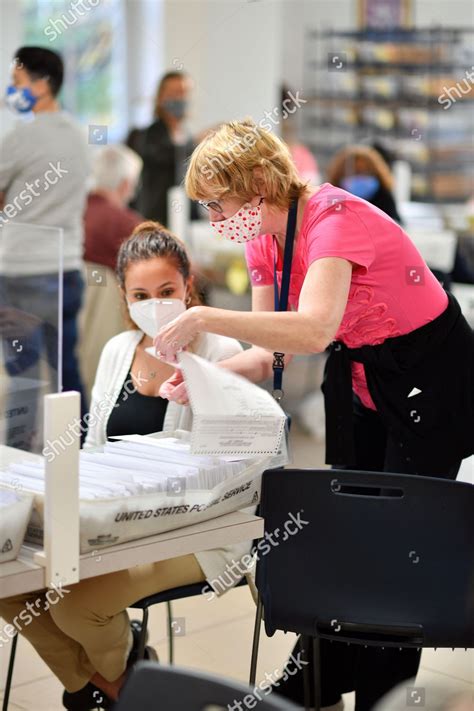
{"x": 174, "y": 389}
{"x": 177, "y": 334}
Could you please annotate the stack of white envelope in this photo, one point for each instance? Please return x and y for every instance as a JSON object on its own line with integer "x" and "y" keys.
{"x": 138, "y": 486}
{"x": 135, "y": 465}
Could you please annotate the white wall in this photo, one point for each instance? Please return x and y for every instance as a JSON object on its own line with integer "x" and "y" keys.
{"x": 299, "y": 16}
{"x": 144, "y": 21}
{"x": 232, "y": 49}
{"x": 10, "y": 38}
{"x": 448, "y": 13}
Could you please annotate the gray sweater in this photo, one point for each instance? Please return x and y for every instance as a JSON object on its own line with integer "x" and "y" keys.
{"x": 44, "y": 165}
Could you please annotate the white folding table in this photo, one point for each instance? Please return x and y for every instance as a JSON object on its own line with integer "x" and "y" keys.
{"x": 27, "y": 573}
{"x": 59, "y": 560}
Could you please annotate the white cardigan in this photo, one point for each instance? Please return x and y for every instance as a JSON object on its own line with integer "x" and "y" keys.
{"x": 114, "y": 365}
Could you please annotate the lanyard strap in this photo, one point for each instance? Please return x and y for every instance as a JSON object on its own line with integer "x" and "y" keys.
{"x": 281, "y": 298}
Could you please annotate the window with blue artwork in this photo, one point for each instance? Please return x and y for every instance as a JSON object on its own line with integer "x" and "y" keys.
{"x": 90, "y": 36}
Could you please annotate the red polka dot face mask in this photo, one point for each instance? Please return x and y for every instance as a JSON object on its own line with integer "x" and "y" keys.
{"x": 244, "y": 226}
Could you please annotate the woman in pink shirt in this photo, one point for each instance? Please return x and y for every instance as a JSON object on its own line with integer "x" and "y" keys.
{"x": 360, "y": 287}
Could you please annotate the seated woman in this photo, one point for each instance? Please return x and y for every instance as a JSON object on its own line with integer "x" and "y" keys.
{"x": 85, "y": 638}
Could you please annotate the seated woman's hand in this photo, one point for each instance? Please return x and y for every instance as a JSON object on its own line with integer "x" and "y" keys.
{"x": 174, "y": 389}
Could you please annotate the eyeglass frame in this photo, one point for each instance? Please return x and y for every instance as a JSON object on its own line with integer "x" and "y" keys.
{"x": 211, "y": 205}
{"x": 207, "y": 205}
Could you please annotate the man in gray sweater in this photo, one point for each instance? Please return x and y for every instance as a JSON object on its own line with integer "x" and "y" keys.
{"x": 43, "y": 172}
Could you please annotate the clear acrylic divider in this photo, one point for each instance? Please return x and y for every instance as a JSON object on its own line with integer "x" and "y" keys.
{"x": 31, "y": 298}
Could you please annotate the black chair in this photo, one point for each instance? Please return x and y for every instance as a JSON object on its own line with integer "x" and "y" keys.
{"x": 168, "y": 596}
{"x": 384, "y": 560}
{"x": 144, "y": 604}
{"x": 151, "y": 686}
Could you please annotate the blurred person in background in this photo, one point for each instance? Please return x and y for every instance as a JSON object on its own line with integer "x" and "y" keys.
{"x": 164, "y": 147}
{"x": 107, "y": 222}
{"x": 43, "y": 172}
{"x": 365, "y": 172}
{"x": 362, "y": 171}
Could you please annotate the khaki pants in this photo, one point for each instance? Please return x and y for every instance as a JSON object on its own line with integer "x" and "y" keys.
{"x": 88, "y": 629}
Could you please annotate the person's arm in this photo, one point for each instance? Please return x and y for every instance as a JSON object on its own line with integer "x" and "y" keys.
{"x": 100, "y": 406}
{"x": 322, "y": 303}
{"x": 255, "y": 363}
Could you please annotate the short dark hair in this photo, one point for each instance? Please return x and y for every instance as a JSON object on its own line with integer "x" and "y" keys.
{"x": 39, "y": 63}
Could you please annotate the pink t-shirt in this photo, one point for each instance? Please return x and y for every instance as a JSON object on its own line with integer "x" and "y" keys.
{"x": 392, "y": 291}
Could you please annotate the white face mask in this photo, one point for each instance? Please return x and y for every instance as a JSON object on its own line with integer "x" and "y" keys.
{"x": 244, "y": 226}
{"x": 151, "y": 314}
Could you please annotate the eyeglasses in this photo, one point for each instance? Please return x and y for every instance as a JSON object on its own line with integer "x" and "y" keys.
{"x": 211, "y": 205}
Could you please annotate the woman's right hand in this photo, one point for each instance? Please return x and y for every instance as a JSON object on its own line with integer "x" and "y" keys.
{"x": 174, "y": 389}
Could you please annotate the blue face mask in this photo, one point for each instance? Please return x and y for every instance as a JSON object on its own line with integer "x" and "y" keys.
{"x": 21, "y": 100}
{"x": 176, "y": 107}
{"x": 364, "y": 186}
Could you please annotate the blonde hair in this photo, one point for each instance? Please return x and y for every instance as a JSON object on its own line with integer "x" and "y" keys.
{"x": 343, "y": 163}
{"x": 223, "y": 164}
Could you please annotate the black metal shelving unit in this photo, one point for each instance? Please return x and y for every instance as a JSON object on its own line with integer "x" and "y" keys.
{"x": 388, "y": 85}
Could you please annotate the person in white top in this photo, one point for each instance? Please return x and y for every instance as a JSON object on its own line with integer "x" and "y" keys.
{"x": 86, "y": 638}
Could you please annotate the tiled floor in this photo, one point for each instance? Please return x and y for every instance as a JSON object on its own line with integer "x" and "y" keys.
{"x": 217, "y": 637}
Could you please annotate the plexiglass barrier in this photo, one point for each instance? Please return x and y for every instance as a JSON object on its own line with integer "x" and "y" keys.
{"x": 31, "y": 299}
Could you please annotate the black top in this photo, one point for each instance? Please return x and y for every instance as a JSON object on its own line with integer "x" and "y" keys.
{"x": 437, "y": 359}
{"x": 135, "y": 413}
{"x": 383, "y": 199}
{"x": 164, "y": 165}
